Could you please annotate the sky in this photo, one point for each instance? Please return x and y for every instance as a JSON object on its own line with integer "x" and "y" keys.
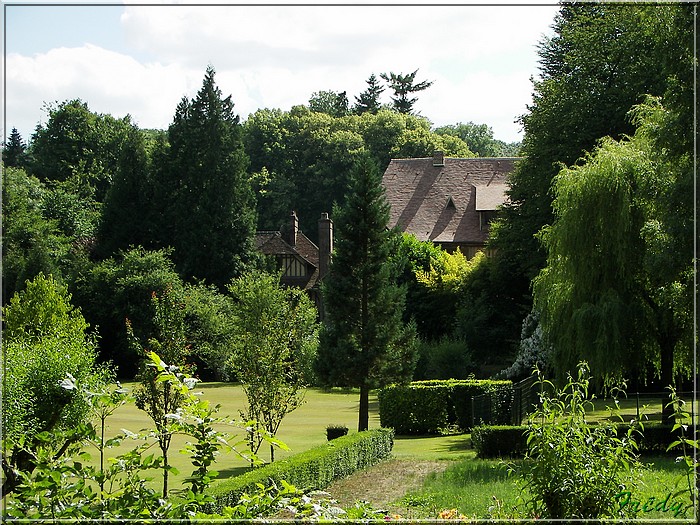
{"x": 140, "y": 60}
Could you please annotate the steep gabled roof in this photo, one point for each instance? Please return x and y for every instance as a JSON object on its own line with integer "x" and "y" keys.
{"x": 441, "y": 202}
{"x": 273, "y": 243}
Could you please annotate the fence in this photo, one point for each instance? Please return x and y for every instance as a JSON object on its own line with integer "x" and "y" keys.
{"x": 506, "y": 406}
{"x": 511, "y": 405}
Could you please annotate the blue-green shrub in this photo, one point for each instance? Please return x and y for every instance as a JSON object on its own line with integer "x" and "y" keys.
{"x": 315, "y": 468}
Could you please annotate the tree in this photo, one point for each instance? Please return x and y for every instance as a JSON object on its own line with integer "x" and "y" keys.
{"x": 403, "y": 86}
{"x": 601, "y": 61}
{"x": 368, "y": 101}
{"x": 126, "y": 214}
{"x": 31, "y": 244}
{"x": 14, "y": 151}
{"x": 274, "y": 344}
{"x": 364, "y": 342}
{"x": 616, "y": 289}
{"x": 211, "y": 203}
{"x": 330, "y": 102}
{"x": 78, "y": 144}
{"x": 162, "y": 400}
{"x": 479, "y": 138}
{"x": 45, "y": 342}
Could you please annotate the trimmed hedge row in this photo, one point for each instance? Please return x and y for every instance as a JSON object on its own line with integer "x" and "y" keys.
{"x": 506, "y": 440}
{"x": 427, "y": 407}
{"x": 315, "y": 468}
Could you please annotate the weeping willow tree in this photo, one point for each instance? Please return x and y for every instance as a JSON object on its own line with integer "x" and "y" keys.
{"x": 616, "y": 290}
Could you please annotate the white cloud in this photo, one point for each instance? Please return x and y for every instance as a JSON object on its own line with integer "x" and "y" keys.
{"x": 480, "y": 60}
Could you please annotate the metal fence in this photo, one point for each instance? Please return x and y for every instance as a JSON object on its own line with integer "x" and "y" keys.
{"x": 511, "y": 405}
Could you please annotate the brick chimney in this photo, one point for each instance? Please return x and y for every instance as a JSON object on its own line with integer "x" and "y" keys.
{"x": 293, "y": 229}
{"x": 438, "y": 158}
{"x": 325, "y": 244}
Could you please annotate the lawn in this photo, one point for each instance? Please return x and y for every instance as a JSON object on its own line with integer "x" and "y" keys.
{"x": 302, "y": 429}
{"x": 427, "y": 474}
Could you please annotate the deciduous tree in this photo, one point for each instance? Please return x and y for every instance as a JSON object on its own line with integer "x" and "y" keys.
{"x": 274, "y": 345}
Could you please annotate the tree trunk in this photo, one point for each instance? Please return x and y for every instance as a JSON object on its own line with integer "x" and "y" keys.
{"x": 364, "y": 409}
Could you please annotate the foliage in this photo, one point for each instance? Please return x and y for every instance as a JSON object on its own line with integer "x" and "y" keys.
{"x": 205, "y": 193}
{"x": 315, "y": 468}
{"x": 121, "y": 288}
{"x": 533, "y": 351}
{"x": 479, "y": 138}
{"x": 368, "y": 101}
{"x": 160, "y": 398}
{"x": 614, "y": 282}
{"x": 336, "y": 431}
{"x": 78, "y": 144}
{"x": 14, "y": 151}
{"x": 209, "y": 330}
{"x": 683, "y": 422}
{"x": 403, "y": 87}
{"x": 571, "y": 469}
{"x": 44, "y": 339}
{"x": 430, "y": 407}
{"x": 600, "y": 61}
{"x": 68, "y": 487}
{"x": 32, "y": 244}
{"x": 494, "y": 441}
{"x": 364, "y": 342}
{"x": 446, "y": 358}
{"x": 300, "y": 159}
{"x": 330, "y": 102}
{"x": 275, "y": 336}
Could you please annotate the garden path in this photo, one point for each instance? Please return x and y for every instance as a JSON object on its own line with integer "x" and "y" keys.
{"x": 385, "y": 482}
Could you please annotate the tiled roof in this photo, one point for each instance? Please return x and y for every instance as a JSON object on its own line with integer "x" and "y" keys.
{"x": 272, "y": 243}
{"x": 441, "y": 203}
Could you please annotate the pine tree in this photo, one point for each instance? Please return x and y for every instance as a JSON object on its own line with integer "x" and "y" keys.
{"x": 403, "y": 86}
{"x": 212, "y": 219}
{"x": 368, "y": 101}
{"x": 14, "y": 150}
{"x": 364, "y": 343}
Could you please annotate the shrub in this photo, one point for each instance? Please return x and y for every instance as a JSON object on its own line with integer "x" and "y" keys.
{"x": 427, "y": 407}
{"x": 573, "y": 470}
{"x": 313, "y": 469}
{"x": 444, "y": 359}
{"x": 336, "y": 431}
{"x": 499, "y": 441}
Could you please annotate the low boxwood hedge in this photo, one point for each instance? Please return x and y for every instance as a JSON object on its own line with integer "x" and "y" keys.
{"x": 315, "y": 468}
{"x": 499, "y": 441}
{"x": 427, "y": 407}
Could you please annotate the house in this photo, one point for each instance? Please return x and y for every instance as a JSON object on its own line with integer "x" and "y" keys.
{"x": 303, "y": 264}
{"x": 448, "y": 201}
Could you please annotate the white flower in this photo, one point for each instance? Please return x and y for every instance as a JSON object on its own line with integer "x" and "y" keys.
{"x": 68, "y": 383}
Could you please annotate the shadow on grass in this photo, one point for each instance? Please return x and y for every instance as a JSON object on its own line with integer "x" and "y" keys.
{"x": 225, "y": 473}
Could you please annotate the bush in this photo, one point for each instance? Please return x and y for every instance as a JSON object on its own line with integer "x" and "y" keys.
{"x": 499, "y": 441}
{"x": 336, "y": 431}
{"x": 313, "y": 469}
{"x": 444, "y": 359}
{"x": 427, "y": 407}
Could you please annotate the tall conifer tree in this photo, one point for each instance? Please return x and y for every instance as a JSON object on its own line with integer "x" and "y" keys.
{"x": 212, "y": 208}
{"x": 364, "y": 343}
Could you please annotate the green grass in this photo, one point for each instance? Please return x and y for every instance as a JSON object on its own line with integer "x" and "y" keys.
{"x": 477, "y": 487}
{"x": 302, "y": 429}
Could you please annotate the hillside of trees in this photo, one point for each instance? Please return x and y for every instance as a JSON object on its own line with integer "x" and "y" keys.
{"x": 115, "y": 213}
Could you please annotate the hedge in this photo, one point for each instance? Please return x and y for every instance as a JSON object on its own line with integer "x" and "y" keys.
{"x": 315, "y": 468}
{"x": 498, "y": 441}
{"x": 427, "y": 407}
